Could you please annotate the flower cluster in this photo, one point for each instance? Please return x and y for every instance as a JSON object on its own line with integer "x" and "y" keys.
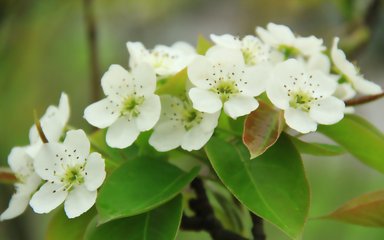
{"x": 50, "y": 173}
{"x": 294, "y": 73}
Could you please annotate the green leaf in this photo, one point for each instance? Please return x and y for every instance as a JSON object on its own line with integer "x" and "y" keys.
{"x": 366, "y": 210}
{"x": 161, "y": 223}
{"x": 139, "y": 186}
{"x": 317, "y": 149}
{"x": 273, "y": 185}
{"x": 203, "y": 45}
{"x": 359, "y": 138}
{"x": 62, "y": 228}
{"x": 175, "y": 85}
{"x": 262, "y": 128}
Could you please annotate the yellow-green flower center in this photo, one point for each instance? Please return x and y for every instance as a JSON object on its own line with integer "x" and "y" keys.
{"x": 248, "y": 56}
{"x": 73, "y": 176}
{"x": 191, "y": 117}
{"x": 131, "y": 105}
{"x": 225, "y": 89}
{"x": 288, "y": 51}
{"x": 301, "y": 100}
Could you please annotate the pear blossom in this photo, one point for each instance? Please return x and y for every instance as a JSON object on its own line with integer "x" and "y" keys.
{"x": 282, "y": 38}
{"x": 73, "y": 175}
{"x": 27, "y": 182}
{"x": 130, "y": 106}
{"x": 182, "y": 125}
{"x": 305, "y": 96}
{"x": 53, "y": 123}
{"x": 254, "y": 51}
{"x": 350, "y": 75}
{"x": 165, "y": 60}
{"x": 222, "y": 79}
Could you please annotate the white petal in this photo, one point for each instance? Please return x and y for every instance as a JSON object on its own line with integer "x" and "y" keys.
{"x": 240, "y": 105}
{"x": 19, "y": 161}
{"x": 184, "y": 47}
{"x": 309, "y": 45}
{"x": 49, "y": 197}
{"x": 209, "y": 121}
{"x": 266, "y": 36}
{"x": 319, "y": 62}
{"x": 281, "y": 32}
{"x": 144, "y": 79}
{"x": 199, "y": 72}
{"x": 226, "y": 40}
{"x": 117, "y": 82}
{"x": 79, "y": 201}
{"x": 95, "y": 169}
{"x": 149, "y": 113}
{"x": 195, "y": 138}
{"x": 344, "y": 91}
{"x": 278, "y": 94}
{"x": 340, "y": 60}
{"x": 17, "y": 206}
{"x": 137, "y": 52}
{"x": 167, "y": 136}
{"x": 327, "y": 111}
{"x": 225, "y": 56}
{"x": 101, "y": 114}
{"x": 122, "y": 133}
{"x": 366, "y": 87}
{"x": 64, "y": 111}
{"x": 205, "y": 100}
{"x": 255, "y": 80}
{"x": 51, "y": 124}
{"x": 299, "y": 120}
{"x": 77, "y": 145}
{"x": 322, "y": 85}
{"x": 49, "y": 160}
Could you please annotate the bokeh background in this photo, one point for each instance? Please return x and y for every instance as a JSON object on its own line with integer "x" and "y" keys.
{"x": 44, "y": 50}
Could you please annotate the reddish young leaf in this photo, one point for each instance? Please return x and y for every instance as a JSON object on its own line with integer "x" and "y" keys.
{"x": 366, "y": 210}
{"x": 262, "y": 128}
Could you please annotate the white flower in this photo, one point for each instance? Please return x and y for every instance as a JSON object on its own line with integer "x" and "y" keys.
{"x": 305, "y": 96}
{"x": 221, "y": 78}
{"x": 350, "y": 74}
{"x": 281, "y": 38}
{"x": 254, "y": 51}
{"x": 72, "y": 174}
{"x": 165, "y": 60}
{"x": 130, "y": 106}
{"x": 181, "y": 125}
{"x": 52, "y": 123}
{"x": 27, "y": 182}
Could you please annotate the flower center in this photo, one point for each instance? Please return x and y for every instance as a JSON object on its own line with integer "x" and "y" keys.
{"x": 191, "y": 118}
{"x": 225, "y": 89}
{"x": 248, "y": 56}
{"x": 131, "y": 106}
{"x": 288, "y": 51}
{"x": 301, "y": 100}
{"x": 73, "y": 176}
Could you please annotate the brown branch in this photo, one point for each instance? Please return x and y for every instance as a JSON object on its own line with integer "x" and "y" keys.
{"x": 90, "y": 24}
{"x": 363, "y": 99}
{"x": 205, "y": 218}
{"x": 39, "y": 129}
{"x": 7, "y": 176}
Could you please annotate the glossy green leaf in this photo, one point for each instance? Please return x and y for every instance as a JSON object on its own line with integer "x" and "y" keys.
{"x": 317, "y": 149}
{"x": 62, "y": 228}
{"x": 272, "y": 186}
{"x": 359, "y": 138}
{"x": 262, "y": 128}
{"x": 175, "y": 85}
{"x": 365, "y": 210}
{"x": 203, "y": 45}
{"x": 160, "y": 223}
{"x": 139, "y": 186}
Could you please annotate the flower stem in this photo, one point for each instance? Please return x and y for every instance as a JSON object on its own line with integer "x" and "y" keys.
{"x": 39, "y": 129}
{"x": 363, "y": 99}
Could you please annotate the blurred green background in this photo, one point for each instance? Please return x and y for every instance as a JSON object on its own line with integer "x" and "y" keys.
{"x": 44, "y": 50}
